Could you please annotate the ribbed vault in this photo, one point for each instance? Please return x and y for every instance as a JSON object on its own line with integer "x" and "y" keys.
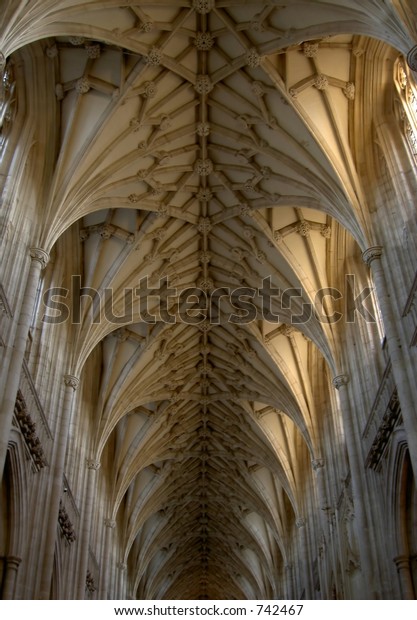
{"x": 204, "y": 147}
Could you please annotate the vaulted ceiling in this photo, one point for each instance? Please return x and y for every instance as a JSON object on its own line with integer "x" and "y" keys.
{"x": 205, "y": 145}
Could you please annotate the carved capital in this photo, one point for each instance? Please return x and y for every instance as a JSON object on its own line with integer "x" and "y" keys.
{"x": 13, "y": 562}
{"x": 371, "y": 254}
{"x": 39, "y": 255}
{"x": 300, "y": 522}
{"x": 317, "y": 464}
{"x": 71, "y": 381}
{"x": 340, "y": 380}
{"x": 402, "y": 562}
{"x": 122, "y": 566}
{"x": 110, "y": 523}
{"x": 93, "y": 464}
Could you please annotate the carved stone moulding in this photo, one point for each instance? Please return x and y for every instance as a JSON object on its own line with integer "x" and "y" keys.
{"x": 90, "y": 583}
{"x": 65, "y": 524}
{"x": 28, "y": 428}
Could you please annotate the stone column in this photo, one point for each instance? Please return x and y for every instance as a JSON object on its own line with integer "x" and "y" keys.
{"x": 288, "y": 581}
{"x": 57, "y": 473}
{"x": 323, "y": 502}
{"x": 402, "y": 562}
{"x": 90, "y": 489}
{"x": 396, "y": 348}
{"x": 121, "y": 590}
{"x": 322, "y": 569}
{"x": 39, "y": 260}
{"x": 325, "y": 511}
{"x": 317, "y": 465}
{"x": 355, "y": 460}
{"x": 12, "y": 564}
{"x": 336, "y": 556}
{"x": 109, "y": 524}
{"x": 304, "y": 556}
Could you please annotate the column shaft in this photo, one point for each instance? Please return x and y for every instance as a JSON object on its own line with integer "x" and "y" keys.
{"x": 39, "y": 259}
{"x": 396, "y": 349}
{"x": 402, "y": 563}
{"x": 361, "y": 521}
{"x": 84, "y": 546}
{"x": 9, "y": 584}
{"x": 57, "y": 473}
{"x": 105, "y": 558}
